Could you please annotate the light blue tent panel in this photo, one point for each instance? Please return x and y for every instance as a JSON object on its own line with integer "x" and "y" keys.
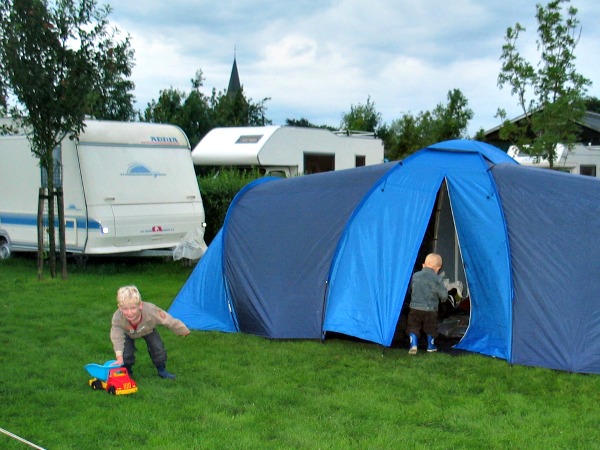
{"x": 484, "y": 247}
{"x": 483, "y": 239}
{"x": 202, "y": 301}
{"x": 374, "y": 262}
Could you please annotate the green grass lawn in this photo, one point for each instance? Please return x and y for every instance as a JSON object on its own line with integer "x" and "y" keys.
{"x": 240, "y": 391}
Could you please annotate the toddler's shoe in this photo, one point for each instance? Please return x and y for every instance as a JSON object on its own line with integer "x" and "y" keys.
{"x": 162, "y": 372}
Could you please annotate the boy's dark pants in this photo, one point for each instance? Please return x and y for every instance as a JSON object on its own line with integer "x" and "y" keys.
{"x": 427, "y": 320}
{"x": 156, "y": 350}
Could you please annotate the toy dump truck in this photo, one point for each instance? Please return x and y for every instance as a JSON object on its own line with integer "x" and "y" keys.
{"x": 113, "y": 379}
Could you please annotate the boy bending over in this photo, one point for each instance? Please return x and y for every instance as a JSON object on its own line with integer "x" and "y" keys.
{"x": 136, "y": 319}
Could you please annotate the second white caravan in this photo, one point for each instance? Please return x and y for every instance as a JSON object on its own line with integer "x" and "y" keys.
{"x": 129, "y": 188}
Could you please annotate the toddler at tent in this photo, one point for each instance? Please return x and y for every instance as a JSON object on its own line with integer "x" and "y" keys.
{"x": 136, "y": 319}
{"x": 427, "y": 290}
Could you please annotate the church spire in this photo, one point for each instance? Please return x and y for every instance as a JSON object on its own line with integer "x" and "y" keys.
{"x": 234, "y": 79}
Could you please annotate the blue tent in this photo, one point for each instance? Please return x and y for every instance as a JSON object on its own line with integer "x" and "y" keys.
{"x": 334, "y": 252}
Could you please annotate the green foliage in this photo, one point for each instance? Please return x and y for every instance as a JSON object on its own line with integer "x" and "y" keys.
{"x": 243, "y": 391}
{"x": 60, "y": 63}
{"x": 409, "y": 133}
{"x": 592, "y": 104}
{"x": 551, "y": 97}
{"x": 234, "y": 110}
{"x": 191, "y": 112}
{"x": 302, "y": 122}
{"x": 218, "y": 188}
{"x": 361, "y": 118}
{"x": 196, "y": 114}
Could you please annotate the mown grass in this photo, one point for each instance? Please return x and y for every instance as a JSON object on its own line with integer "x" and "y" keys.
{"x": 244, "y": 392}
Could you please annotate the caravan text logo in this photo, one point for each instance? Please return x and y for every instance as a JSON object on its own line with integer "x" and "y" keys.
{"x": 163, "y": 140}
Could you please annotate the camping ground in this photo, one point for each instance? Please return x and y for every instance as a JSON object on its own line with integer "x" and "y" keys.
{"x": 242, "y": 391}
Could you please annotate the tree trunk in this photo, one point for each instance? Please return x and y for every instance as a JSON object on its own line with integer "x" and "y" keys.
{"x": 51, "y": 216}
{"x": 61, "y": 232}
{"x": 40, "y": 232}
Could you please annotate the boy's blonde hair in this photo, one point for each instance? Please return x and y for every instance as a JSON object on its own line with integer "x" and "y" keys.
{"x": 128, "y": 295}
{"x": 433, "y": 261}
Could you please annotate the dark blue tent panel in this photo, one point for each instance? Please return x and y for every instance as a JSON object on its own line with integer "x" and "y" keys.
{"x": 553, "y": 223}
{"x": 335, "y": 252}
{"x": 280, "y": 238}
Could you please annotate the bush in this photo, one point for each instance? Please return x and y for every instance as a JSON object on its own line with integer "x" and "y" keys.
{"x": 218, "y": 188}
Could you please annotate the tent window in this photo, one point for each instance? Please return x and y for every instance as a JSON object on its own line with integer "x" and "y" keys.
{"x": 361, "y": 161}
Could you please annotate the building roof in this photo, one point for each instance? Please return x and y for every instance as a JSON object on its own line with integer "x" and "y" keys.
{"x": 589, "y": 123}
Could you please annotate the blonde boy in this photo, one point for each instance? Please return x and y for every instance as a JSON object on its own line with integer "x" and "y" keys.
{"x": 135, "y": 319}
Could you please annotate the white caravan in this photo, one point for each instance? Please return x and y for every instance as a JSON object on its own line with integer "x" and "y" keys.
{"x": 581, "y": 159}
{"x": 129, "y": 188}
{"x": 287, "y": 151}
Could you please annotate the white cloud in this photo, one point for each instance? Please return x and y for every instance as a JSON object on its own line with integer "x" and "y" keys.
{"x": 316, "y": 59}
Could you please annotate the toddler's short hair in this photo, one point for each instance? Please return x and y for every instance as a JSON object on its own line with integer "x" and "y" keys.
{"x": 433, "y": 260}
{"x": 128, "y": 295}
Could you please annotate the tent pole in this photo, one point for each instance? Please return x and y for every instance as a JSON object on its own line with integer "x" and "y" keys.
{"x": 438, "y": 213}
{"x": 323, "y": 311}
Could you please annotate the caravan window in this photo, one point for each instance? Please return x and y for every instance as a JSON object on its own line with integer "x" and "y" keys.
{"x": 317, "y": 163}
{"x": 589, "y": 170}
{"x": 249, "y": 139}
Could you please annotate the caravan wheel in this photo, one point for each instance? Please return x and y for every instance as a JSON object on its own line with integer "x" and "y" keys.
{"x": 4, "y": 250}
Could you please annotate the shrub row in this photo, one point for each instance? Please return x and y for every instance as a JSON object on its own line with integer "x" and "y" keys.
{"x": 218, "y": 188}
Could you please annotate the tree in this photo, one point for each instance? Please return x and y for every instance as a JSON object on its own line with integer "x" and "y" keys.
{"x": 444, "y": 122}
{"x": 551, "y": 96}
{"x": 59, "y": 62}
{"x": 403, "y": 137}
{"x": 448, "y": 121}
{"x": 302, "y": 122}
{"x": 305, "y": 123}
{"x": 592, "y": 104}
{"x": 234, "y": 110}
{"x": 191, "y": 112}
{"x": 197, "y": 114}
{"x": 361, "y": 118}
{"x": 112, "y": 97}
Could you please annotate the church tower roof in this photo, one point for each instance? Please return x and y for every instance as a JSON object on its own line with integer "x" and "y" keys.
{"x": 234, "y": 80}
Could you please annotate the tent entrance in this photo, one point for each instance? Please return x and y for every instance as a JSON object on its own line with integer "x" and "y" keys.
{"x": 445, "y": 240}
{"x": 441, "y": 237}
{"x": 453, "y": 319}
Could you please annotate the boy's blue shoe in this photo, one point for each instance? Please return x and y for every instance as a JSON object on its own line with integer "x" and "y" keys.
{"x": 413, "y": 344}
{"x": 431, "y": 344}
{"x": 162, "y": 372}
{"x": 129, "y": 370}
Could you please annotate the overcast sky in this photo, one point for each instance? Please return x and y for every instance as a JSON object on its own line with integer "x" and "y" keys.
{"x": 314, "y": 59}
